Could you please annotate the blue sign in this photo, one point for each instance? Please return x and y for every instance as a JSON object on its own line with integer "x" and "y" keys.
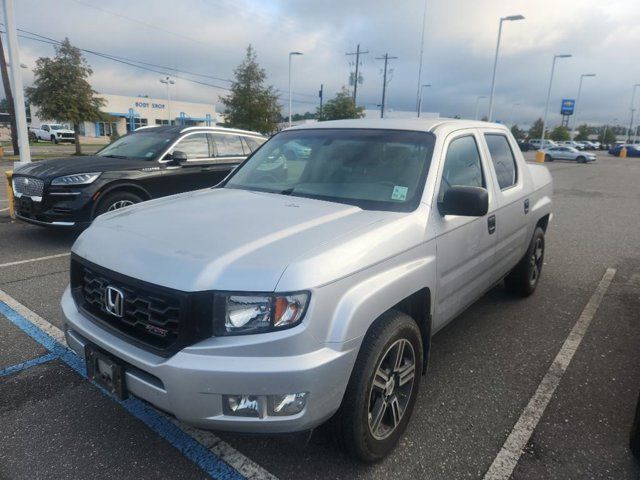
{"x": 567, "y": 106}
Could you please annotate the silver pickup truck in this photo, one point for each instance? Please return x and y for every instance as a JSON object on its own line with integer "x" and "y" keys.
{"x": 307, "y": 285}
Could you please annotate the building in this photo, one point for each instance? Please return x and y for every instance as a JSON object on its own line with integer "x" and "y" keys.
{"x": 130, "y": 113}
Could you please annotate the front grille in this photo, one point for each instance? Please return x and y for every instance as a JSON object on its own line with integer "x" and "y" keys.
{"x": 157, "y": 318}
{"x": 67, "y": 135}
{"x": 30, "y": 186}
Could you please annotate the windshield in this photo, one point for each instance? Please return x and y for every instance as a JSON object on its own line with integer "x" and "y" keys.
{"x": 373, "y": 169}
{"x": 143, "y": 145}
{"x": 57, "y": 127}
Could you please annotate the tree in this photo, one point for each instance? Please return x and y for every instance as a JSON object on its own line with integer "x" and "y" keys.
{"x": 536, "y": 129}
{"x": 61, "y": 90}
{"x": 607, "y": 135}
{"x": 560, "y": 133}
{"x": 517, "y": 132}
{"x": 583, "y": 132}
{"x": 251, "y": 105}
{"x": 340, "y": 107}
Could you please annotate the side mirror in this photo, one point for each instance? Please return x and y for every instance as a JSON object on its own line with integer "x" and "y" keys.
{"x": 178, "y": 157}
{"x": 465, "y": 201}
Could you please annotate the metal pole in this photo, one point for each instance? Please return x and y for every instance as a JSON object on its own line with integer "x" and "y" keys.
{"x": 546, "y": 106}
{"x": 320, "y": 95}
{"x": 168, "y": 103}
{"x": 290, "y": 102}
{"x": 495, "y": 67}
{"x": 420, "y": 101}
{"x": 384, "y": 85}
{"x": 633, "y": 97}
{"x": 424, "y": 22}
{"x": 16, "y": 80}
{"x": 575, "y": 108}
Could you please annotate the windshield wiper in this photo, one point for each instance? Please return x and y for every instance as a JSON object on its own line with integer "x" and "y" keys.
{"x": 287, "y": 191}
{"x": 114, "y": 156}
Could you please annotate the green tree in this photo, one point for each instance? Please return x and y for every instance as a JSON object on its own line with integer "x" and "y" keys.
{"x": 560, "y": 133}
{"x": 517, "y": 132}
{"x": 251, "y": 105}
{"x": 61, "y": 90}
{"x": 536, "y": 129}
{"x": 340, "y": 107}
{"x": 583, "y": 132}
{"x": 607, "y": 135}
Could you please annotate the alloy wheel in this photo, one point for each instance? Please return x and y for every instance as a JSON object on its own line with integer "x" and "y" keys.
{"x": 391, "y": 389}
{"x": 535, "y": 260}
{"x": 119, "y": 204}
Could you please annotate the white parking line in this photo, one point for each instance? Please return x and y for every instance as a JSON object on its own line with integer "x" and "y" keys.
{"x": 247, "y": 467}
{"x": 4, "y": 209}
{"x": 507, "y": 459}
{"x": 38, "y": 259}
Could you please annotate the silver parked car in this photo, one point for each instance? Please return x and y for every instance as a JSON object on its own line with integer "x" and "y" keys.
{"x": 568, "y": 153}
{"x": 307, "y": 286}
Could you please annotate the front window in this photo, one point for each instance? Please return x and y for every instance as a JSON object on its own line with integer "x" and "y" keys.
{"x": 57, "y": 127}
{"x": 146, "y": 145}
{"x": 373, "y": 169}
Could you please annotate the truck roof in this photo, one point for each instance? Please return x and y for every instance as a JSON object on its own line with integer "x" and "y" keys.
{"x": 416, "y": 124}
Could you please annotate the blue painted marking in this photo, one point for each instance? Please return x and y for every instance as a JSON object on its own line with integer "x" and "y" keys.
{"x": 187, "y": 445}
{"x": 28, "y": 364}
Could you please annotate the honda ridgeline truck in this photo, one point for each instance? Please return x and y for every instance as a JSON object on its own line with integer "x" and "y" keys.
{"x": 307, "y": 285}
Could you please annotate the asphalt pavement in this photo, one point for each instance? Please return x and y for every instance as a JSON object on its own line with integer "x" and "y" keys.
{"x": 485, "y": 368}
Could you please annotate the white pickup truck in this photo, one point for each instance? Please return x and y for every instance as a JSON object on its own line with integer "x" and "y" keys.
{"x": 53, "y": 132}
{"x": 307, "y": 285}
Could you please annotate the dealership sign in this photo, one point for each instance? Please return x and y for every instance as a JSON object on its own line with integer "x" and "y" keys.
{"x": 567, "y": 106}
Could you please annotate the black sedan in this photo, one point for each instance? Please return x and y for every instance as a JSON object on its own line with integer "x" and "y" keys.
{"x": 149, "y": 163}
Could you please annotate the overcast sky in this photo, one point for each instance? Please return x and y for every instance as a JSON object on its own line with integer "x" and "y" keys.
{"x": 210, "y": 37}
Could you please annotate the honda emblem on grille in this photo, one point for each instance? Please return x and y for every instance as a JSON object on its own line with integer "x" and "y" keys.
{"x": 114, "y": 301}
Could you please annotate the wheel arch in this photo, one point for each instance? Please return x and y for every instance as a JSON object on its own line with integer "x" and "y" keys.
{"x": 120, "y": 187}
{"x": 418, "y": 307}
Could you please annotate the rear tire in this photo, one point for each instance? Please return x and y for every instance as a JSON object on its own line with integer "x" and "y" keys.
{"x": 115, "y": 201}
{"x": 382, "y": 390}
{"x": 54, "y": 139}
{"x": 548, "y": 158}
{"x": 582, "y": 159}
{"x": 524, "y": 278}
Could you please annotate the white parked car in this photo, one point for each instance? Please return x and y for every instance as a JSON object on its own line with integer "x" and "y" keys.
{"x": 53, "y": 132}
{"x": 273, "y": 303}
{"x": 571, "y": 143}
{"x": 546, "y": 144}
{"x": 568, "y": 153}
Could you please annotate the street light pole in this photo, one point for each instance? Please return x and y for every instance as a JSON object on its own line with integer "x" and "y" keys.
{"x": 420, "y": 100}
{"x": 168, "y": 81}
{"x": 633, "y": 98}
{"x": 510, "y": 18}
{"x": 290, "y": 101}
{"x": 16, "y": 82}
{"x": 478, "y": 105}
{"x": 546, "y": 106}
{"x": 575, "y": 108}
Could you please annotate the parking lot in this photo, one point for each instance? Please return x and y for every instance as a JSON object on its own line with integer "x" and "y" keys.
{"x": 485, "y": 368}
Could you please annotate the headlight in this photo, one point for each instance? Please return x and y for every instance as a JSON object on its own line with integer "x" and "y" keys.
{"x": 236, "y": 314}
{"x": 77, "y": 179}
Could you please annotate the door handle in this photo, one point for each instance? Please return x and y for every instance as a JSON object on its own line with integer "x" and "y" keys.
{"x": 491, "y": 223}
{"x": 526, "y": 206}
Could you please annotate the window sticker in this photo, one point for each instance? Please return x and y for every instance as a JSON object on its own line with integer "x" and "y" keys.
{"x": 399, "y": 193}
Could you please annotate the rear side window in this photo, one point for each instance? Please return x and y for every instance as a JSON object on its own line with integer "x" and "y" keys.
{"x": 228, "y": 145}
{"x": 195, "y": 146}
{"x": 462, "y": 166}
{"x": 254, "y": 142}
{"x": 503, "y": 160}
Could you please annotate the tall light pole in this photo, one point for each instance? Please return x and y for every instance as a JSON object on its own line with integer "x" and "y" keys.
{"x": 575, "y": 109}
{"x": 633, "y": 98}
{"x": 420, "y": 100}
{"x": 478, "y": 104}
{"x": 168, "y": 81}
{"x": 510, "y": 18}
{"x": 546, "y": 106}
{"x": 424, "y": 23}
{"x": 291, "y": 54}
{"x": 16, "y": 82}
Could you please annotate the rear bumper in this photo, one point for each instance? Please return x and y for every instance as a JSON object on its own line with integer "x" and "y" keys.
{"x": 190, "y": 385}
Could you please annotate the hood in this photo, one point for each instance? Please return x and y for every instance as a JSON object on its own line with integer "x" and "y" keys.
{"x": 223, "y": 239}
{"x": 49, "y": 169}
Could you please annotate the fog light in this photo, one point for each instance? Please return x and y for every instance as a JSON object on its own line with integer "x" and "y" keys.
{"x": 241, "y": 405}
{"x": 287, "y": 404}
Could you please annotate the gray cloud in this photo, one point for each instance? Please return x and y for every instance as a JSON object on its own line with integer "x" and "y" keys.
{"x": 210, "y": 37}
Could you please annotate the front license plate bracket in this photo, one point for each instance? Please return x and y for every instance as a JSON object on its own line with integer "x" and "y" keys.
{"x": 106, "y": 371}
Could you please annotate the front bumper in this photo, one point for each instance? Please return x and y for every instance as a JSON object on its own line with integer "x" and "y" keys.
{"x": 56, "y": 209}
{"x": 190, "y": 384}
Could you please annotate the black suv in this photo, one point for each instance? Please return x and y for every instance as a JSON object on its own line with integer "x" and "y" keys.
{"x": 149, "y": 163}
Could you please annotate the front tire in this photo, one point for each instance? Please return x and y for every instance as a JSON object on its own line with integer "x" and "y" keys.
{"x": 524, "y": 278}
{"x": 548, "y": 158}
{"x": 582, "y": 159}
{"x": 54, "y": 139}
{"x": 115, "y": 201}
{"x": 382, "y": 390}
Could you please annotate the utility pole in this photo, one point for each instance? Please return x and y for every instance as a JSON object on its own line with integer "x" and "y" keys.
{"x": 424, "y": 23}
{"x": 16, "y": 77}
{"x": 9, "y": 96}
{"x": 320, "y": 95}
{"x": 386, "y": 59}
{"x": 357, "y": 53}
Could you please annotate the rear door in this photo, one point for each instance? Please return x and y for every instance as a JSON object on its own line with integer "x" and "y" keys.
{"x": 465, "y": 245}
{"x": 511, "y": 198}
